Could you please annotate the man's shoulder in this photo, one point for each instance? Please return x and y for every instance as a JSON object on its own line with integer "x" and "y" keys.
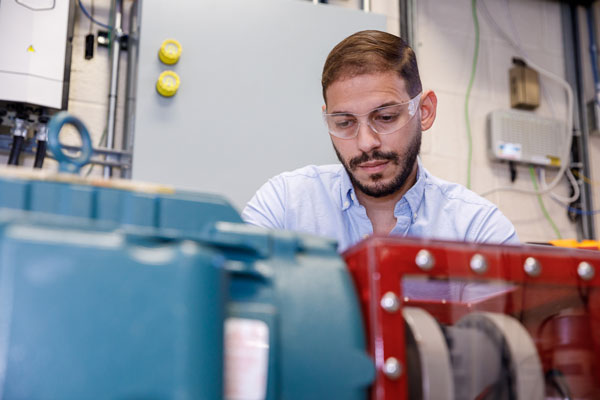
{"x": 471, "y": 217}
{"x": 455, "y": 192}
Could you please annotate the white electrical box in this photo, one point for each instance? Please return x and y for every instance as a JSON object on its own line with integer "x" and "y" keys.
{"x": 35, "y": 51}
{"x": 525, "y": 137}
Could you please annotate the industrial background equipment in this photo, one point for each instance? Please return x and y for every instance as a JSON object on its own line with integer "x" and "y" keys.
{"x": 118, "y": 289}
{"x": 35, "y": 67}
{"x": 450, "y": 320}
{"x": 126, "y": 290}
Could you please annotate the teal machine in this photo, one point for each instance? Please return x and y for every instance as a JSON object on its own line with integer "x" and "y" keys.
{"x": 116, "y": 290}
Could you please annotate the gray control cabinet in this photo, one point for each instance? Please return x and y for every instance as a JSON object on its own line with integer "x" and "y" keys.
{"x": 249, "y": 103}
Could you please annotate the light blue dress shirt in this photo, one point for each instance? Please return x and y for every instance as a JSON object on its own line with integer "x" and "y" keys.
{"x": 320, "y": 200}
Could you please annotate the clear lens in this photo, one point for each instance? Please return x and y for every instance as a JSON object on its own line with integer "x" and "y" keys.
{"x": 382, "y": 120}
{"x": 389, "y": 119}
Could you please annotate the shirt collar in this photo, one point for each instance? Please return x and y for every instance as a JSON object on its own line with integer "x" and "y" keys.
{"x": 347, "y": 195}
{"x": 413, "y": 197}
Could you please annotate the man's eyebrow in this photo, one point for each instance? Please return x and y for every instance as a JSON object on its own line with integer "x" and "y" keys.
{"x": 389, "y": 103}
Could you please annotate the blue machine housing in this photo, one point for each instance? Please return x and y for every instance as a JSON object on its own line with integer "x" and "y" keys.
{"x": 115, "y": 293}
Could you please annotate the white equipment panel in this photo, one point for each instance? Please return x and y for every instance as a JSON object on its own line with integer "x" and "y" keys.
{"x": 34, "y": 51}
{"x": 525, "y": 137}
{"x": 249, "y": 103}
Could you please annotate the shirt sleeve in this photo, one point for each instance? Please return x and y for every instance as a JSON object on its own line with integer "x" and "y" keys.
{"x": 496, "y": 228}
{"x": 267, "y": 206}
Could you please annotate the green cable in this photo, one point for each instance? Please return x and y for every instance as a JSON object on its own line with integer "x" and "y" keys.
{"x": 542, "y": 206}
{"x": 468, "y": 95}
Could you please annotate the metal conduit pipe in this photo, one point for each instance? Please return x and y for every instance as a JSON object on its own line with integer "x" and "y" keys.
{"x": 366, "y": 5}
{"x": 116, "y": 36}
{"x": 131, "y": 80}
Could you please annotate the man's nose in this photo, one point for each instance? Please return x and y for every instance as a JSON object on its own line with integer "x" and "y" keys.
{"x": 367, "y": 138}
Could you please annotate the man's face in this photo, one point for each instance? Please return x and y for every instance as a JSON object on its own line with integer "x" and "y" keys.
{"x": 378, "y": 165}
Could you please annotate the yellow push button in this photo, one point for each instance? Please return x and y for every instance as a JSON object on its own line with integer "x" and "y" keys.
{"x": 170, "y": 51}
{"x": 168, "y": 83}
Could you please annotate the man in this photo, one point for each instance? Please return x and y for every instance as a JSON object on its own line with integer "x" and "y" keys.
{"x": 375, "y": 112}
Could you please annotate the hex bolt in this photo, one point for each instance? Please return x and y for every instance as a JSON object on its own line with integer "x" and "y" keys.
{"x": 479, "y": 264}
{"x": 390, "y": 302}
{"x": 425, "y": 260}
{"x": 392, "y": 368}
{"x": 532, "y": 267}
{"x": 586, "y": 271}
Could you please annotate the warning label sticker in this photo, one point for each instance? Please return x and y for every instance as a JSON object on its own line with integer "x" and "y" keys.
{"x": 246, "y": 359}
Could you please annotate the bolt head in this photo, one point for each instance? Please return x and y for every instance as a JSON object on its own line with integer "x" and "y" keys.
{"x": 479, "y": 264}
{"x": 392, "y": 368}
{"x": 532, "y": 267}
{"x": 424, "y": 260}
{"x": 586, "y": 271}
{"x": 390, "y": 302}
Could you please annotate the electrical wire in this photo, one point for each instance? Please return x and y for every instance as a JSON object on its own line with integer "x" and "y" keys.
{"x": 577, "y": 211}
{"x": 569, "y": 129}
{"x": 541, "y": 202}
{"x": 572, "y": 180}
{"x": 468, "y": 95}
{"x": 585, "y": 178}
{"x": 85, "y": 12}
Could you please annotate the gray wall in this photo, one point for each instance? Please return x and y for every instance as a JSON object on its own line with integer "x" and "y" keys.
{"x": 249, "y": 104}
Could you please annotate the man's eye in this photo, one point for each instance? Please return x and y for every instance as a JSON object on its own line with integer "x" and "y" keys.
{"x": 344, "y": 123}
{"x": 387, "y": 117}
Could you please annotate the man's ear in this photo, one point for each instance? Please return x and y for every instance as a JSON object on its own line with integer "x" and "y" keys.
{"x": 428, "y": 109}
{"x": 324, "y": 108}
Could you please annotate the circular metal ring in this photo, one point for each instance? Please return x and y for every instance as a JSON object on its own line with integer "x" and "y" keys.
{"x": 67, "y": 163}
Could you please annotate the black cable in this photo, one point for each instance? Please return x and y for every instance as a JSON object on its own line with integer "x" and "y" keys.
{"x": 15, "y": 150}
{"x": 40, "y": 153}
{"x": 512, "y": 167}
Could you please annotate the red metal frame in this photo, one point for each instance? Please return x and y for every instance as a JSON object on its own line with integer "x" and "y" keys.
{"x": 379, "y": 264}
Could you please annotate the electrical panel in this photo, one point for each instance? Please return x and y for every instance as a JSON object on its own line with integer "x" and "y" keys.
{"x": 525, "y": 137}
{"x": 36, "y": 50}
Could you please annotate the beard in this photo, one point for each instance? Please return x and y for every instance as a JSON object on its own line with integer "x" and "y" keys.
{"x": 375, "y": 188}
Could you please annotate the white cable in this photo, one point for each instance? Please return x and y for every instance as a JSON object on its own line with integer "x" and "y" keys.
{"x": 569, "y": 137}
{"x": 572, "y": 180}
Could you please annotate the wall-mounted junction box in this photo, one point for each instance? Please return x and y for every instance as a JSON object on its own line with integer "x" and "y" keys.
{"x": 524, "y": 137}
{"x": 524, "y": 86}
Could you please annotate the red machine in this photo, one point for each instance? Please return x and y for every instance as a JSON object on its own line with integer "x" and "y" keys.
{"x": 449, "y": 320}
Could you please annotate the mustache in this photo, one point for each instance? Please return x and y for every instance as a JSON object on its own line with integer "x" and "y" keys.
{"x": 374, "y": 155}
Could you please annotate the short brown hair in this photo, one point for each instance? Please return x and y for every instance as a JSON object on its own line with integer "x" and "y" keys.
{"x": 368, "y": 52}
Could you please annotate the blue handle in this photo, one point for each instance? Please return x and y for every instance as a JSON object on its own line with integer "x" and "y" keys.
{"x": 67, "y": 163}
